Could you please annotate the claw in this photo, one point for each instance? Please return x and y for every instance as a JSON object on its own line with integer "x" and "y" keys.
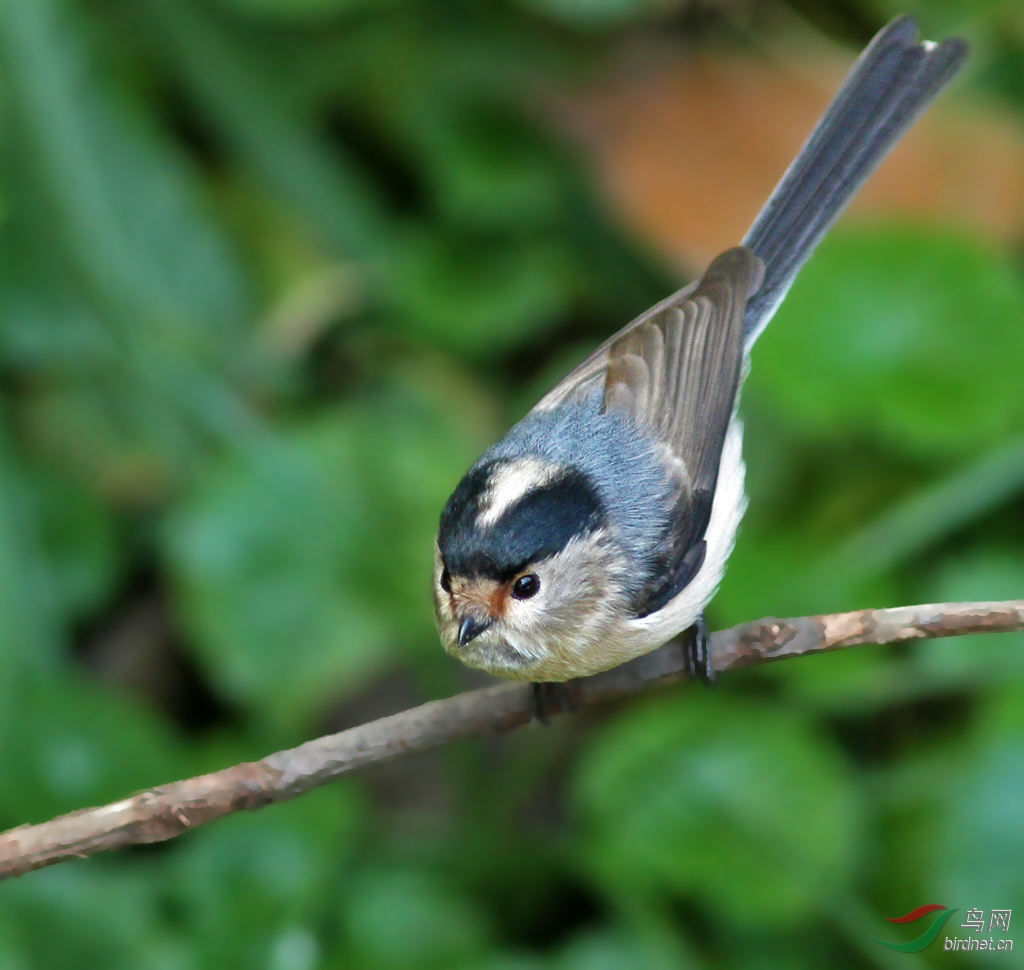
{"x": 697, "y": 649}
{"x": 551, "y": 698}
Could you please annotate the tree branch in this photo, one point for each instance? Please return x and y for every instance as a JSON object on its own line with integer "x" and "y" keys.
{"x": 164, "y": 812}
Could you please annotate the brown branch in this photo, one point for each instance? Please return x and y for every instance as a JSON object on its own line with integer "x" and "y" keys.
{"x": 164, "y": 812}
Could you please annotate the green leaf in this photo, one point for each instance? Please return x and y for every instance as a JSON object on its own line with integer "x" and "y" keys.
{"x": 736, "y": 804}
{"x": 299, "y": 11}
{"x": 941, "y": 17}
{"x": 47, "y": 325}
{"x": 266, "y": 557}
{"x": 257, "y": 889}
{"x": 28, "y": 630}
{"x": 78, "y": 743}
{"x": 983, "y": 838}
{"x": 409, "y": 919}
{"x": 489, "y": 170}
{"x": 127, "y": 203}
{"x": 614, "y": 948}
{"x": 118, "y": 211}
{"x": 245, "y": 101}
{"x": 79, "y": 915}
{"x": 78, "y": 538}
{"x": 301, "y": 566}
{"x": 910, "y": 335}
{"x": 478, "y": 297}
{"x": 108, "y": 435}
{"x": 600, "y": 13}
{"x": 929, "y": 515}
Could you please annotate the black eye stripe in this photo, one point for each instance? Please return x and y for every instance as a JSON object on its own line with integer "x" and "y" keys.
{"x": 535, "y": 527}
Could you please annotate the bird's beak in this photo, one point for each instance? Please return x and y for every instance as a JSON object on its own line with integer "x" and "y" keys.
{"x": 471, "y": 627}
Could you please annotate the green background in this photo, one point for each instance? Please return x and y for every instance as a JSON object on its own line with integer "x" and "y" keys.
{"x": 272, "y": 274}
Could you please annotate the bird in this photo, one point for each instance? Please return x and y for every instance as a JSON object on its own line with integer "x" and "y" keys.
{"x": 600, "y": 526}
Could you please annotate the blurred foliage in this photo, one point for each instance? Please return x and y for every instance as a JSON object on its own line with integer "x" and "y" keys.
{"x": 272, "y": 273}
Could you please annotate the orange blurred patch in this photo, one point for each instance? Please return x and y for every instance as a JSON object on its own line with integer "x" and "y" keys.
{"x": 484, "y": 596}
{"x": 689, "y": 152}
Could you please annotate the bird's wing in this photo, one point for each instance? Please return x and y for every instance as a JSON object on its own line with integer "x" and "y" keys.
{"x": 590, "y": 374}
{"x": 675, "y": 371}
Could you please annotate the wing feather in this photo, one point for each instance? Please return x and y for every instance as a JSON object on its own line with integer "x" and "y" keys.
{"x": 675, "y": 371}
{"x": 682, "y": 366}
{"x": 591, "y": 373}
{"x": 676, "y": 374}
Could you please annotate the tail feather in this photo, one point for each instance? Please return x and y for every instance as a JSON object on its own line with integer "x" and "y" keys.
{"x": 892, "y": 82}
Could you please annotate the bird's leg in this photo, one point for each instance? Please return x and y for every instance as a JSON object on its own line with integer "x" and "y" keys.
{"x": 697, "y": 651}
{"x": 539, "y": 704}
{"x": 551, "y": 698}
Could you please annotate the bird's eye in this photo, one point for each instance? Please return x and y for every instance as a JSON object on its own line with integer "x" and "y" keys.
{"x": 526, "y": 586}
{"x": 446, "y": 581}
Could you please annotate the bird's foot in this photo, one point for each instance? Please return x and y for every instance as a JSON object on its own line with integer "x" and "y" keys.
{"x": 551, "y": 698}
{"x": 697, "y": 652}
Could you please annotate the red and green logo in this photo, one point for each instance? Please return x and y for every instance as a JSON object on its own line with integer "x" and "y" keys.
{"x": 928, "y": 936}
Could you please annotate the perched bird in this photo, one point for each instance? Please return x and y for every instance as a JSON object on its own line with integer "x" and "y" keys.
{"x": 599, "y": 527}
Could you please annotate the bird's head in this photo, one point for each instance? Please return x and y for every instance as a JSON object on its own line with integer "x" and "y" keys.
{"x": 523, "y": 568}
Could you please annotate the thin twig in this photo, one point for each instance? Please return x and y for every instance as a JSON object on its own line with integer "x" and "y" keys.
{"x": 164, "y": 812}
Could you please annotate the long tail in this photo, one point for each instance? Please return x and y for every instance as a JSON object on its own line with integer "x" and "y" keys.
{"x": 890, "y": 85}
